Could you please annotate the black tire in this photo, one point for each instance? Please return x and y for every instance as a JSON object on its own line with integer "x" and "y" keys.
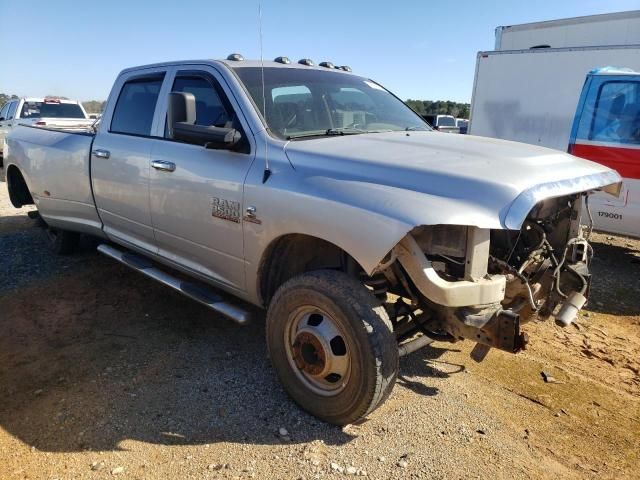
{"x": 368, "y": 341}
{"x": 62, "y": 242}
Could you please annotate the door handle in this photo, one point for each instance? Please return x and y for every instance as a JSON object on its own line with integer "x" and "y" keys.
{"x": 163, "y": 165}
{"x": 100, "y": 153}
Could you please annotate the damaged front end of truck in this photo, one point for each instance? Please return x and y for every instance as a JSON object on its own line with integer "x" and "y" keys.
{"x": 454, "y": 282}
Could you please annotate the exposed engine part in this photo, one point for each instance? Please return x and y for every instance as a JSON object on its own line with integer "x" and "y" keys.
{"x": 583, "y": 255}
{"x": 487, "y": 325}
{"x": 532, "y": 257}
{"x": 522, "y": 278}
{"x": 589, "y": 216}
{"x": 477, "y": 254}
{"x": 500, "y": 330}
{"x": 444, "y": 240}
{"x": 570, "y": 308}
{"x": 472, "y": 283}
{"x": 479, "y": 316}
{"x": 431, "y": 285}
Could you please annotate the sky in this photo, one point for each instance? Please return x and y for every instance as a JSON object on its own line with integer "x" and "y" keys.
{"x": 418, "y": 49}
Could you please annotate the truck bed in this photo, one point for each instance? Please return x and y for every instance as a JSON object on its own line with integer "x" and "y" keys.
{"x": 64, "y": 124}
{"x": 56, "y": 165}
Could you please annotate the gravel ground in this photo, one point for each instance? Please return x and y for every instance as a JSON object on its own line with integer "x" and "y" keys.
{"x": 106, "y": 374}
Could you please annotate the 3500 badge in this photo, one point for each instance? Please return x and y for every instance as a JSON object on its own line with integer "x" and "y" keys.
{"x": 225, "y": 209}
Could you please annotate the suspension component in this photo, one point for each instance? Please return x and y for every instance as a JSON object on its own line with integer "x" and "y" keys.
{"x": 378, "y": 284}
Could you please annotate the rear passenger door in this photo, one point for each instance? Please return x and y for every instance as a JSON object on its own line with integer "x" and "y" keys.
{"x": 120, "y": 160}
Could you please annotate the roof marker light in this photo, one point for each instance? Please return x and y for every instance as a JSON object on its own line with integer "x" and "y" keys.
{"x": 284, "y": 60}
{"x": 327, "y": 65}
{"x": 346, "y": 68}
{"x": 236, "y": 57}
{"x": 306, "y": 61}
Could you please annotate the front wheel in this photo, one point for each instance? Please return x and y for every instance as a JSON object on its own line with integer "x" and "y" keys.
{"x": 332, "y": 346}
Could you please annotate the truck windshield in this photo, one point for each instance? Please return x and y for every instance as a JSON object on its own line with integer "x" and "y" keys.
{"x": 446, "y": 121}
{"x": 309, "y": 103}
{"x": 51, "y": 110}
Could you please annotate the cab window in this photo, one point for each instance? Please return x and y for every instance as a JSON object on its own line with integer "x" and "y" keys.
{"x": 211, "y": 110}
{"x": 12, "y": 109}
{"x": 133, "y": 114}
{"x": 617, "y": 113}
{"x": 5, "y": 109}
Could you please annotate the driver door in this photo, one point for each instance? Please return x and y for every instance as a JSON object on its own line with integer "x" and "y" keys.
{"x": 196, "y": 194}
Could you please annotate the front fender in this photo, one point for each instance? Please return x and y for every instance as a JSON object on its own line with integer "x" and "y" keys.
{"x": 366, "y": 235}
{"x": 362, "y": 218}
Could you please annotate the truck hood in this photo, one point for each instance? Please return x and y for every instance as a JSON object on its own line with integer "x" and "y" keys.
{"x": 460, "y": 179}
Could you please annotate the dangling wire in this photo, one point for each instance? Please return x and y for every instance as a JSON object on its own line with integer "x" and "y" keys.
{"x": 586, "y": 203}
{"x": 267, "y": 171}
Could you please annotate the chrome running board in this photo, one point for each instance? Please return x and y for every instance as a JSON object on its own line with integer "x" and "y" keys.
{"x": 199, "y": 292}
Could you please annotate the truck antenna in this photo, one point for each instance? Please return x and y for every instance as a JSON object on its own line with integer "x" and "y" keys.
{"x": 267, "y": 171}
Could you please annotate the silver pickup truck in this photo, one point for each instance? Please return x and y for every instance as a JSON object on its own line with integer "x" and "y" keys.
{"x": 316, "y": 194}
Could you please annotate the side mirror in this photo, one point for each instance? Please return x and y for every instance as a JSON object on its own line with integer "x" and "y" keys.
{"x": 181, "y": 119}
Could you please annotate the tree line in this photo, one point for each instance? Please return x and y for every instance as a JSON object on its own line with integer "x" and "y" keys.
{"x": 94, "y": 106}
{"x": 91, "y": 106}
{"x": 439, "y": 107}
{"x": 4, "y": 97}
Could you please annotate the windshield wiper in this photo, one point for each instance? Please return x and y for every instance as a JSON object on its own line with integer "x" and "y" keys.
{"x": 344, "y": 131}
{"x": 416, "y": 128}
{"x": 328, "y": 132}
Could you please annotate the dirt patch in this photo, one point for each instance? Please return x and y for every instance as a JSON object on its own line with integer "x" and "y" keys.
{"x": 103, "y": 373}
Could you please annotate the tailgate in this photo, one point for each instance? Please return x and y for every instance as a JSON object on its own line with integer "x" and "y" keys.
{"x": 68, "y": 124}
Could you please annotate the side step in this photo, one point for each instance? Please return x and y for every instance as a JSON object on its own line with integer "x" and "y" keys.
{"x": 198, "y": 292}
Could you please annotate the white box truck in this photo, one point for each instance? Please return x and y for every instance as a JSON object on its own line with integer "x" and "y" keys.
{"x": 530, "y": 94}
{"x": 621, "y": 28}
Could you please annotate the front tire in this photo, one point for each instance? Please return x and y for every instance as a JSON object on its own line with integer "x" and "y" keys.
{"x": 332, "y": 346}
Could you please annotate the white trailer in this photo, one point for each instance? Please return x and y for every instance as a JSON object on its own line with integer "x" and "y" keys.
{"x": 621, "y": 28}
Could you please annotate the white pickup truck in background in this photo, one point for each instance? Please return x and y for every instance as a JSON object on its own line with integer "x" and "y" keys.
{"x": 42, "y": 112}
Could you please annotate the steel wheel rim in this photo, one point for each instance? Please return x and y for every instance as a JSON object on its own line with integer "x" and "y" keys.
{"x": 318, "y": 351}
